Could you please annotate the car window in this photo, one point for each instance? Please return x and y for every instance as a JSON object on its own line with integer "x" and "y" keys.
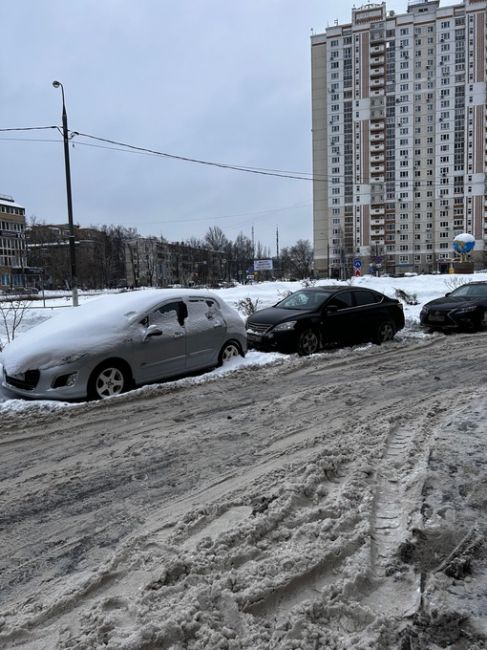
{"x": 366, "y": 297}
{"x": 170, "y": 312}
{"x": 343, "y": 300}
{"x": 479, "y": 290}
{"x": 303, "y": 300}
{"x": 202, "y": 309}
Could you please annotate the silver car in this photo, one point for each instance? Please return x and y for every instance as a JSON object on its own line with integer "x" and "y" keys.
{"x": 110, "y": 344}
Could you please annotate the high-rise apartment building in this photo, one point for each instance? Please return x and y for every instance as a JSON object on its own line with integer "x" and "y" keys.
{"x": 399, "y": 137}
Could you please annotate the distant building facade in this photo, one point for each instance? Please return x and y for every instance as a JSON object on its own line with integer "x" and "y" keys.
{"x": 97, "y": 262}
{"x": 399, "y": 137}
{"x": 13, "y": 259}
{"x": 154, "y": 262}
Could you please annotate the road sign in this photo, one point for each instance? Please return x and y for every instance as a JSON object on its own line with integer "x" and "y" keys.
{"x": 357, "y": 273}
{"x": 357, "y": 263}
{"x": 262, "y": 265}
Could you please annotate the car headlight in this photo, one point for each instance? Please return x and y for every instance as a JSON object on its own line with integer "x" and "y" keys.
{"x": 465, "y": 310}
{"x": 285, "y": 327}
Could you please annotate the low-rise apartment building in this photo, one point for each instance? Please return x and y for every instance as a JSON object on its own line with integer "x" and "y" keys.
{"x": 13, "y": 260}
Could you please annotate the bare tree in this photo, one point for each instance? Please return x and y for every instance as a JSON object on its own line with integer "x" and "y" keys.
{"x": 298, "y": 259}
{"x": 216, "y": 239}
{"x": 194, "y": 242}
{"x": 11, "y": 315}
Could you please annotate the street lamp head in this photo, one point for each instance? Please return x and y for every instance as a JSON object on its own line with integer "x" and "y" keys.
{"x": 56, "y": 84}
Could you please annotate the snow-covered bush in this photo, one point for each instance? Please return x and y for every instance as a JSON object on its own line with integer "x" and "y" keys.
{"x": 247, "y": 305}
{"x": 11, "y": 315}
{"x": 453, "y": 282}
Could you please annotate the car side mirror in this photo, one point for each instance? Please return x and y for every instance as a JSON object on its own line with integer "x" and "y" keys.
{"x": 152, "y": 330}
{"x": 447, "y": 294}
{"x": 332, "y": 309}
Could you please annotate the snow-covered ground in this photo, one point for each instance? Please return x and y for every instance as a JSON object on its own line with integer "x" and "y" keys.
{"x": 331, "y": 502}
{"x": 423, "y": 287}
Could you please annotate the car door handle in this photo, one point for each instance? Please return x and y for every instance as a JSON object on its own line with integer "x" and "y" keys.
{"x": 217, "y": 324}
{"x": 178, "y": 334}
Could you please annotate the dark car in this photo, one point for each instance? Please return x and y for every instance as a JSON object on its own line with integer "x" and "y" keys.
{"x": 464, "y": 309}
{"x": 310, "y": 318}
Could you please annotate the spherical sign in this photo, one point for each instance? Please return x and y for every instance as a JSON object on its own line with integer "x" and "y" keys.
{"x": 463, "y": 243}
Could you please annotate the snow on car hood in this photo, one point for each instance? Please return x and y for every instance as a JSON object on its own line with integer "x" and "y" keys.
{"x": 90, "y": 328}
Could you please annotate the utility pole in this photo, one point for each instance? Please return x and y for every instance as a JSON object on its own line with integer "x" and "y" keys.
{"x": 277, "y": 252}
{"x": 72, "y": 244}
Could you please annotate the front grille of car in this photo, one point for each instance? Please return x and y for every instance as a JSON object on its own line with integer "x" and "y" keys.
{"x": 29, "y": 382}
{"x": 259, "y": 328}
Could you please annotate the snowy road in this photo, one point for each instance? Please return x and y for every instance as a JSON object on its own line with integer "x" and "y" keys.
{"x": 331, "y": 502}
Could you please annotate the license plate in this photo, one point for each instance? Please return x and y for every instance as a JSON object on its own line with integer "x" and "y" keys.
{"x": 254, "y": 337}
{"x": 436, "y": 318}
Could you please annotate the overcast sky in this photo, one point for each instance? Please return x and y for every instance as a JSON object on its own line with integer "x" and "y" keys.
{"x": 219, "y": 80}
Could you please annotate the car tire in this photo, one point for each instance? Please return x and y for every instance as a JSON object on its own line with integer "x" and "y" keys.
{"x": 108, "y": 379}
{"x": 230, "y": 350}
{"x": 308, "y": 342}
{"x": 386, "y": 330}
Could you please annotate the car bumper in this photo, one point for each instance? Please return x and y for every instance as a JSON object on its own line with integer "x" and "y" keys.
{"x": 449, "y": 321}
{"x": 47, "y": 385}
{"x": 280, "y": 341}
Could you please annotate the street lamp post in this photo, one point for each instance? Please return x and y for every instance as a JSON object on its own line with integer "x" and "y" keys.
{"x": 72, "y": 246}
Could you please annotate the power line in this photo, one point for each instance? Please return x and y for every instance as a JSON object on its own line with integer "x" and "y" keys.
{"x": 125, "y": 147}
{"x": 252, "y": 170}
{"x": 30, "y": 128}
{"x": 122, "y": 146}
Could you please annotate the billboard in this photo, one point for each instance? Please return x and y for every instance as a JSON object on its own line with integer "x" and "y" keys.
{"x": 262, "y": 265}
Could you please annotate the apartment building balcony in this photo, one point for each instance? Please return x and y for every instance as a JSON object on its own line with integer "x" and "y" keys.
{"x": 376, "y": 37}
{"x": 376, "y": 72}
{"x": 377, "y": 158}
{"x": 377, "y": 240}
{"x": 377, "y": 62}
{"x": 377, "y": 232}
{"x": 377, "y": 169}
{"x": 377, "y": 148}
{"x": 377, "y": 48}
{"x": 378, "y": 125}
{"x": 377, "y": 212}
{"x": 377, "y": 83}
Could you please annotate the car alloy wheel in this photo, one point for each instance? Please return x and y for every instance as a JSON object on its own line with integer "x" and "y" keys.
{"x": 106, "y": 381}
{"x": 385, "y": 332}
{"x": 228, "y": 351}
{"x": 308, "y": 342}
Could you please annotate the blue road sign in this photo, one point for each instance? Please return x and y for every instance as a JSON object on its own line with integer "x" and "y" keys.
{"x": 357, "y": 263}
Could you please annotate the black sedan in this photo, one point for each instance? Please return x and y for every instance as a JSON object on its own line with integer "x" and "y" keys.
{"x": 311, "y": 318}
{"x": 464, "y": 309}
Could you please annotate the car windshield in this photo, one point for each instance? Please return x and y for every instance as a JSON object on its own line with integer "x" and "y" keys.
{"x": 471, "y": 290}
{"x": 304, "y": 300}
